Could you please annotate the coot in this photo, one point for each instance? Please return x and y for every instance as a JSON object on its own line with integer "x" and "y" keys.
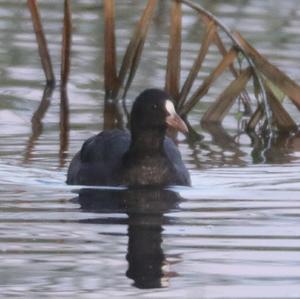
{"x": 143, "y": 157}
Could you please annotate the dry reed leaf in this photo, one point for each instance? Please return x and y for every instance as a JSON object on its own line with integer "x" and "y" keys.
{"x": 41, "y": 40}
{"x": 222, "y": 105}
{"x": 207, "y": 40}
{"x": 66, "y": 44}
{"x": 135, "y": 43}
{"x": 174, "y": 53}
{"x": 203, "y": 89}
{"x": 281, "y": 117}
{"x": 134, "y": 66}
{"x": 137, "y": 54}
{"x": 286, "y": 84}
{"x": 110, "y": 62}
{"x": 223, "y": 51}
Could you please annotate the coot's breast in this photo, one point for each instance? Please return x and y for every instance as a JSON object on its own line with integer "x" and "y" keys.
{"x": 182, "y": 176}
{"x": 102, "y": 161}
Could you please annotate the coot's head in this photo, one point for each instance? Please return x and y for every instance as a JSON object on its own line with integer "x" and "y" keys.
{"x": 153, "y": 109}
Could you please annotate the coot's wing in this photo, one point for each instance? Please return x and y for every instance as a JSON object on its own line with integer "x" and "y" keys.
{"x": 107, "y": 146}
{"x": 174, "y": 156}
{"x": 98, "y": 159}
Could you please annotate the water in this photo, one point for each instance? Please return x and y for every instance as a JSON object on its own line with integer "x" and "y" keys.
{"x": 234, "y": 234}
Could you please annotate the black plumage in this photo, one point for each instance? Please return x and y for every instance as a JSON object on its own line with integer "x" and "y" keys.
{"x": 143, "y": 157}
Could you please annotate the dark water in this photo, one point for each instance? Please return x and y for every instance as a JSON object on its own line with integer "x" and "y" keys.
{"x": 234, "y": 234}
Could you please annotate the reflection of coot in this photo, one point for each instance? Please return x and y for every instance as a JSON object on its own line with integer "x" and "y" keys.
{"x": 145, "y": 210}
{"x": 142, "y": 158}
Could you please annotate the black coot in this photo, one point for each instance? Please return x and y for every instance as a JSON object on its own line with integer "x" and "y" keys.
{"x": 143, "y": 157}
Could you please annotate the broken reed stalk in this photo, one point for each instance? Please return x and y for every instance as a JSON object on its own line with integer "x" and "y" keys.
{"x": 203, "y": 89}
{"x": 223, "y": 51}
{"x": 114, "y": 82}
{"x": 41, "y": 41}
{"x": 207, "y": 18}
{"x": 286, "y": 84}
{"x": 244, "y": 95}
{"x": 222, "y": 105}
{"x": 206, "y": 42}
{"x": 236, "y": 42}
{"x": 135, "y": 47}
{"x": 66, "y": 44}
{"x": 110, "y": 62}
{"x": 174, "y": 53}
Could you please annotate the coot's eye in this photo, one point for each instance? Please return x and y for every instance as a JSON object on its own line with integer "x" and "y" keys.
{"x": 154, "y": 106}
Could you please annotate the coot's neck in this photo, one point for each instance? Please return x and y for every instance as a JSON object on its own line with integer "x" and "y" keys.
{"x": 147, "y": 140}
